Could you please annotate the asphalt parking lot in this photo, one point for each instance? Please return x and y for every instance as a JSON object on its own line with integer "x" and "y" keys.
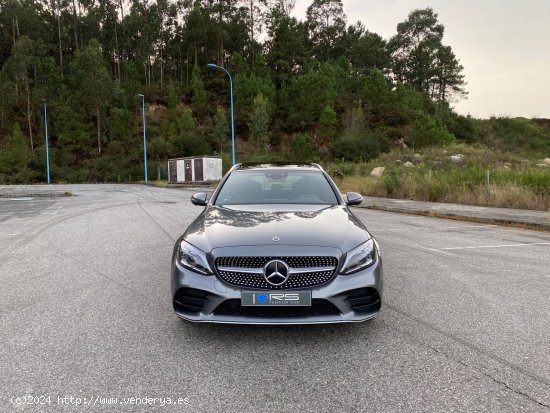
{"x": 85, "y": 311}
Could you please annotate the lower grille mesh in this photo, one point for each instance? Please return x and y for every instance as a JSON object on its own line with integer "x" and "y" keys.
{"x": 318, "y": 307}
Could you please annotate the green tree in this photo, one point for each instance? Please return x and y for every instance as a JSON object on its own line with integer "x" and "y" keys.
{"x": 303, "y": 149}
{"x": 356, "y": 142}
{"x": 20, "y": 66}
{"x": 172, "y": 99}
{"x": 220, "y": 129}
{"x": 428, "y": 131}
{"x": 200, "y": 103}
{"x": 421, "y": 59}
{"x": 365, "y": 50}
{"x": 287, "y": 46}
{"x": 15, "y": 158}
{"x": 450, "y": 79}
{"x": 93, "y": 85}
{"x": 409, "y": 98}
{"x": 328, "y": 123}
{"x": 189, "y": 141}
{"x": 7, "y": 98}
{"x": 249, "y": 84}
{"x": 376, "y": 93}
{"x": 72, "y": 131}
{"x": 326, "y": 23}
{"x": 256, "y": 10}
{"x": 259, "y": 120}
{"x": 197, "y": 33}
{"x": 123, "y": 130}
{"x": 305, "y": 97}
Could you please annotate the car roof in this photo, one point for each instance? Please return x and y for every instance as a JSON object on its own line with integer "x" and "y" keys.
{"x": 277, "y": 165}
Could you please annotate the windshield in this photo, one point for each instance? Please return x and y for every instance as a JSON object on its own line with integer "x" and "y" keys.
{"x": 276, "y": 187}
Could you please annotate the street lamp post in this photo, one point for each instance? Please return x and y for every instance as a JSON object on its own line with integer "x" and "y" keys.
{"x": 144, "y": 137}
{"x": 212, "y": 65}
{"x": 47, "y": 145}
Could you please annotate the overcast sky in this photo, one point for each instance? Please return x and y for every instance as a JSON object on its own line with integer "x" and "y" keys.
{"x": 503, "y": 45}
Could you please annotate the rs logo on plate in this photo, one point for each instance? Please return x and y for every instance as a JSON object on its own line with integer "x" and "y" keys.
{"x": 262, "y": 298}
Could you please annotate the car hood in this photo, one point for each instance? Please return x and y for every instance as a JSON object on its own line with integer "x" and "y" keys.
{"x": 245, "y": 225}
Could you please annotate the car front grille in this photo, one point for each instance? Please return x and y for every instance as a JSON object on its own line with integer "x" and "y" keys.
{"x": 318, "y": 307}
{"x": 248, "y": 272}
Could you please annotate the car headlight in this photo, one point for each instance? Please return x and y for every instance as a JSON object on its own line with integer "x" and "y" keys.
{"x": 360, "y": 257}
{"x": 194, "y": 259}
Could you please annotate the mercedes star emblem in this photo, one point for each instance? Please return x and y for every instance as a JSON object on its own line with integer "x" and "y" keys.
{"x": 276, "y": 272}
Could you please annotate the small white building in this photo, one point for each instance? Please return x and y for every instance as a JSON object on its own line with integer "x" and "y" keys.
{"x": 194, "y": 169}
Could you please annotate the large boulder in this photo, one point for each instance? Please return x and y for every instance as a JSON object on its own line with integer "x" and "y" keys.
{"x": 408, "y": 165}
{"x": 458, "y": 158}
{"x": 546, "y": 161}
{"x": 378, "y": 171}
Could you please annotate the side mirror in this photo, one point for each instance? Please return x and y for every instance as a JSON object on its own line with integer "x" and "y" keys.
{"x": 199, "y": 199}
{"x": 354, "y": 198}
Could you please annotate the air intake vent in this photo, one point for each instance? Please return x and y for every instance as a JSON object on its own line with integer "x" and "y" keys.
{"x": 364, "y": 300}
{"x": 189, "y": 300}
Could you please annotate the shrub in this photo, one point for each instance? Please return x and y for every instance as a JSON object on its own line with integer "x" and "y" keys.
{"x": 428, "y": 131}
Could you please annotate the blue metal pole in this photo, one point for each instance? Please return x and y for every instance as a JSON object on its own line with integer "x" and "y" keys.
{"x": 144, "y": 137}
{"x": 47, "y": 145}
{"x": 232, "y": 119}
{"x": 232, "y": 113}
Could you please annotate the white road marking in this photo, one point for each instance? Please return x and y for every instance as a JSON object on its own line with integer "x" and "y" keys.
{"x": 436, "y": 228}
{"x": 436, "y": 250}
{"x": 496, "y": 246}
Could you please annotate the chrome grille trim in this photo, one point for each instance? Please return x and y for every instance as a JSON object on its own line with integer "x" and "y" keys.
{"x": 243, "y": 270}
{"x": 260, "y": 271}
{"x": 311, "y": 269}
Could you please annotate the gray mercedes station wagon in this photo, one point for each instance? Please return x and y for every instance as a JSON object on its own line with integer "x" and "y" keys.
{"x": 276, "y": 244}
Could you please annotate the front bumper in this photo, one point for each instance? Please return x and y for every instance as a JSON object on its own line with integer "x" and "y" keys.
{"x": 347, "y": 298}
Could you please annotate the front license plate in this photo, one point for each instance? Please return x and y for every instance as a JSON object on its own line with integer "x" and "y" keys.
{"x": 264, "y": 298}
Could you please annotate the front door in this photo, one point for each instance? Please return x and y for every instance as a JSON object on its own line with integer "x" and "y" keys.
{"x": 188, "y": 171}
{"x": 198, "y": 170}
{"x": 172, "y": 171}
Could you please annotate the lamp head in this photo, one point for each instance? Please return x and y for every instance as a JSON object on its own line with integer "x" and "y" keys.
{"x": 211, "y": 65}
